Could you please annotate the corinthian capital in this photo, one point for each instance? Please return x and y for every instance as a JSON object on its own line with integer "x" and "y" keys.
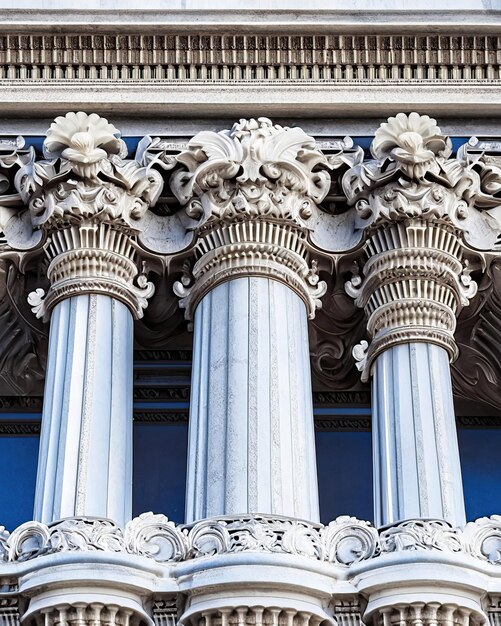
{"x": 252, "y": 192}
{"x": 89, "y": 204}
{"x": 424, "y": 219}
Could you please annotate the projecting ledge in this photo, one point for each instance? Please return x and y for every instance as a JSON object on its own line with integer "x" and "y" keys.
{"x": 241, "y": 566}
{"x": 472, "y": 99}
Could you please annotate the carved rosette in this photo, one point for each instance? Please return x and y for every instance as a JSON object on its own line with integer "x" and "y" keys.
{"x": 252, "y": 192}
{"x": 410, "y": 204}
{"x": 88, "y": 201}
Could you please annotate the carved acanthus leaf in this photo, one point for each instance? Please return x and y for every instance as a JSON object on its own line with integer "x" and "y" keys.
{"x": 256, "y": 169}
{"x": 344, "y": 542}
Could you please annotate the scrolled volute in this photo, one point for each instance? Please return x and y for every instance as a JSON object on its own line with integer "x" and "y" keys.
{"x": 484, "y": 538}
{"x": 348, "y": 540}
{"x": 157, "y": 537}
{"x": 209, "y": 537}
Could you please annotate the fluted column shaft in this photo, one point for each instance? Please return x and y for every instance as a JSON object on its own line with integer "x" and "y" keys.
{"x": 254, "y": 190}
{"x": 414, "y": 216}
{"x": 86, "y": 210}
{"x": 416, "y": 457}
{"x": 251, "y": 443}
{"x": 85, "y": 461}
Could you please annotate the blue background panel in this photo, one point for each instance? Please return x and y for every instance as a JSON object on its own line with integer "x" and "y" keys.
{"x": 344, "y": 462}
{"x": 480, "y": 450}
{"x": 160, "y": 469}
{"x": 18, "y": 468}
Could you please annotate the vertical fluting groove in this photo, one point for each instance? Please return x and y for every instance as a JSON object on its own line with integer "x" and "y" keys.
{"x": 264, "y": 430}
{"x": 195, "y": 426}
{"x": 88, "y": 470}
{"x": 83, "y": 450}
{"x": 217, "y": 399}
{"x": 226, "y": 395}
{"x": 130, "y": 385}
{"x": 284, "y": 448}
{"x": 52, "y": 413}
{"x": 385, "y": 407}
{"x": 253, "y": 351}
{"x": 119, "y": 449}
{"x": 414, "y": 381}
{"x": 394, "y": 451}
{"x": 111, "y": 405}
{"x": 276, "y": 500}
{"x": 376, "y": 448}
{"x": 421, "y": 486}
{"x": 309, "y": 471}
{"x": 237, "y": 393}
{"x": 441, "y": 417}
{"x": 202, "y": 506}
{"x": 296, "y": 451}
{"x": 258, "y": 418}
{"x": 204, "y": 441}
{"x": 68, "y": 457}
{"x": 446, "y": 436}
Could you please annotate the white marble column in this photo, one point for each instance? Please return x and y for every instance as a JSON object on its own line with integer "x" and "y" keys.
{"x": 85, "y": 461}
{"x": 416, "y": 279}
{"x": 417, "y": 473}
{"x": 254, "y": 190}
{"x": 86, "y": 208}
{"x": 251, "y": 442}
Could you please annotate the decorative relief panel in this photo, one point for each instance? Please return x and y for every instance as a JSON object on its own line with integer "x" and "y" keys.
{"x": 343, "y": 542}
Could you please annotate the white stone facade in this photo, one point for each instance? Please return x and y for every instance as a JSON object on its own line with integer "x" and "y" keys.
{"x": 257, "y": 226}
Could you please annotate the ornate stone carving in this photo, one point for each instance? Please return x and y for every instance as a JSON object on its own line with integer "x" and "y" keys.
{"x": 4, "y": 549}
{"x": 493, "y": 608}
{"x": 89, "y": 202}
{"x": 421, "y": 535}
{"x": 422, "y": 216}
{"x": 343, "y": 542}
{"x": 348, "y": 540}
{"x": 253, "y": 193}
{"x": 92, "y": 614}
{"x": 157, "y": 537}
{"x": 9, "y": 611}
{"x": 34, "y": 539}
{"x": 253, "y": 615}
{"x": 165, "y": 612}
{"x": 484, "y": 538}
{"x": 88, "y": 206}
{"x": 22, "y": 339}
{"x": 427, "y": 613}
{"x": 347, "y": 612}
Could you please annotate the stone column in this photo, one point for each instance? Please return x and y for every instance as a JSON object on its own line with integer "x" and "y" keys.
{"x": 88, "y": 201}
{"x": 416, "y": 280}
{"x": 250, "y": 292}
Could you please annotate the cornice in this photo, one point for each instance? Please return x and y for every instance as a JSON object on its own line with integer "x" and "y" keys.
{"x": 362, "y": 21}
{"x": 477, "y": 99}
